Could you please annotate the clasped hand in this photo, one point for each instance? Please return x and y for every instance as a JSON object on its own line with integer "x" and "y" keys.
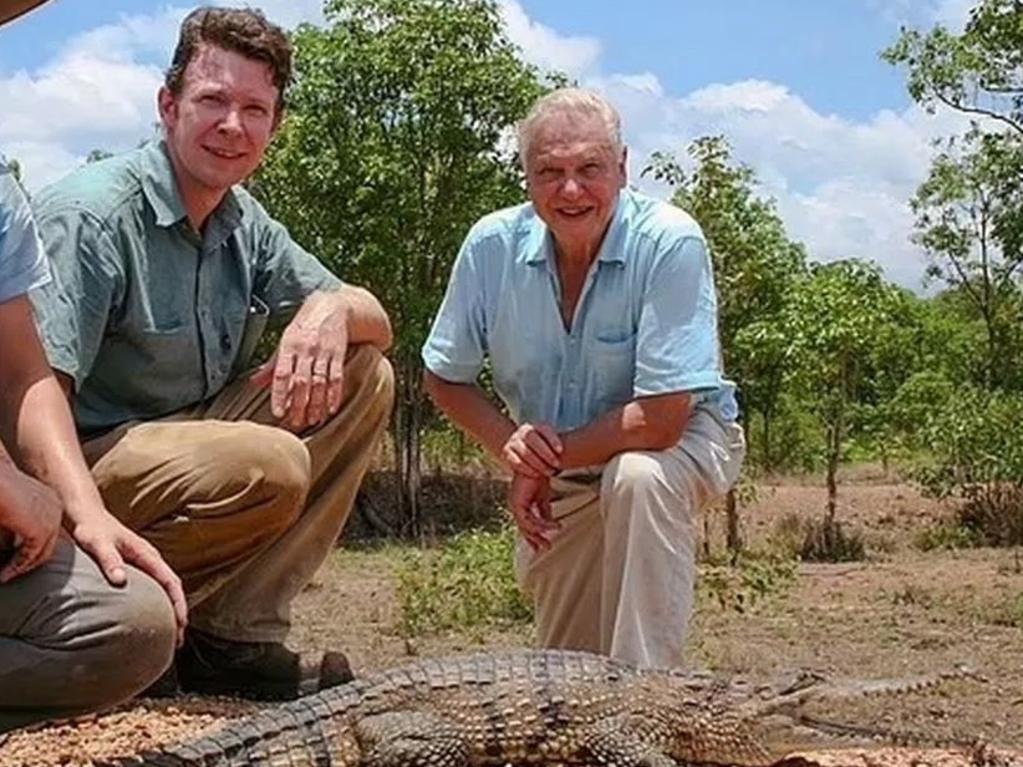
{"x": 533, "y": 453}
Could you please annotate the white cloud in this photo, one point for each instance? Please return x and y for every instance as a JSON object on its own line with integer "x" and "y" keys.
{"x": 842, "y": 186}
{"x": 549, "y": 50}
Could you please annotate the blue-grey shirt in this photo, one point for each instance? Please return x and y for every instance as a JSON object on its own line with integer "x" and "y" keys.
{"x": 645, "y": 324}
{"x": 22, "y": 262}
{"x": 146, "y": 315}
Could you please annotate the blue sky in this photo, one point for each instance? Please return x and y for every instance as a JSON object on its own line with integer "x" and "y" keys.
{"x": 825, "y": 50}
{"x": 796, "y": 85}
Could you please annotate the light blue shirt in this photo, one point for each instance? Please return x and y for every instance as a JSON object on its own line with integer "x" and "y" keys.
{"x": 645, "y": 323}
{"x": 22, "y": 261}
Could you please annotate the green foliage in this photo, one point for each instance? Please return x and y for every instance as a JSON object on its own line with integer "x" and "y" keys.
{"x": 467, "y": 585}
{"x": 968, "y": 221}
{"x": 396, "y": 141}
{"x": 1009, "y": 612}
{"x": 747, "y": 582}
{"x": 839, "y": 320}
{"x": 978, "y": 461}
{"x": 946, "y": 536}
{"x": 970, "y": 209}
{"x": 979, "y": 71}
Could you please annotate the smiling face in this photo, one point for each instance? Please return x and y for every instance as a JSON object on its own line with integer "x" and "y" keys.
{"x": 574, "y": 174}
{"x": 220, "y": 123}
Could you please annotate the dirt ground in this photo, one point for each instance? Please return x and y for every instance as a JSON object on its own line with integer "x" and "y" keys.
{"x": 900, "y": 613}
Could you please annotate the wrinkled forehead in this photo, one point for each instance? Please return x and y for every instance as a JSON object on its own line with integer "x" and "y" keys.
{"x": 570, "y": 133}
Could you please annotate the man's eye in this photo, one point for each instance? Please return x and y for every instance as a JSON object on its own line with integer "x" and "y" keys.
{"x": 211, "y": 98}
{"x": 257, "y": 110}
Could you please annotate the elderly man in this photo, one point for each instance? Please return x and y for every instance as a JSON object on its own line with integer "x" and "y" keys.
{"x": 165, "y": 270}
{"x": 596, "y": 307}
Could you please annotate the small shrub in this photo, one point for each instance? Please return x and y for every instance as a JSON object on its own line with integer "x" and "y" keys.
{"x": 467, "y": 585}
{"x": 825, "y": 541}
{"x": 786, "y": 536}
{"x": 747, "y": 582}
{"x": 1009, "y": 613}
{"x": 978, "y": 461}
{"x": 946, "y": 536}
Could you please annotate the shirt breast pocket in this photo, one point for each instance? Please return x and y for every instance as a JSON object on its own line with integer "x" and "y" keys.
{"x": 614, "y": 361}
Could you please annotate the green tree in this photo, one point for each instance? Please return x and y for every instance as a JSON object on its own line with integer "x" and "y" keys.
{"x": 967, "y": 219}
{"x": 978, "y": 72}
{"x": 395, "y": 142}
{"x": 835, "y": 321}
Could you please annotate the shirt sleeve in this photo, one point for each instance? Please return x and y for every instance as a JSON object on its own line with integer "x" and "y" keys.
{"x": 455, "y": 348}
{"x": 677, "y": 346}
{"x": 74, "y": 309}
{"x": 22, "y": 260}
{"x": 285, "y": 273}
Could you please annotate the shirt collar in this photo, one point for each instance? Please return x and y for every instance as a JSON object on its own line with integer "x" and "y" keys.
{"x": 161, "y": 190}
{"x": 540, "y": 245}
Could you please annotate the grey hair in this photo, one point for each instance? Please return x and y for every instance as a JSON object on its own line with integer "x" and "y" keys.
{"x": 574, "y": 101}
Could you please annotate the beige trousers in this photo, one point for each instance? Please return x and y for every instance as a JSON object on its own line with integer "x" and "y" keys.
{"x": 619, "y": 577}
{"x": 243, "y": 510}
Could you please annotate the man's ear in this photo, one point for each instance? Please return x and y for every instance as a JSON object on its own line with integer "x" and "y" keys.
{"x": 167, "y": 105}
{"x": 623, "y": 167}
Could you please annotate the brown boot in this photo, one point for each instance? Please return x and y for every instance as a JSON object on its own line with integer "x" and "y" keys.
{"x": 255, "y": 670}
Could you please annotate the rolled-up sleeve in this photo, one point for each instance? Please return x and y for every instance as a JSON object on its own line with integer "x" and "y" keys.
{"x": 677, "y": 346}
{"x": 285, "y": 272}
{"x": 22, "y": 261}
{"x": 455, "y": 348}
{"x": 74, "y": 309}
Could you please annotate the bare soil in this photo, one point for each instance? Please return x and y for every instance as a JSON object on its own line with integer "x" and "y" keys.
{"x": 900, "y": 613}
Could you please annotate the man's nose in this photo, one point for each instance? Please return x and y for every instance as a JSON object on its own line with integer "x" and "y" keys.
{"x": 232, "y": 122}
{"x": 570, "y": 187}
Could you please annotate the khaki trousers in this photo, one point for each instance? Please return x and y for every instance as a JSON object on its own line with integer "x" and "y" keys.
{"x": 243, "y": 510}
{"x": 619, "y": 577}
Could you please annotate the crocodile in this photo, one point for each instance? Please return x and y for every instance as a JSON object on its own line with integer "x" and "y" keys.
{"x": 527, "y": 707}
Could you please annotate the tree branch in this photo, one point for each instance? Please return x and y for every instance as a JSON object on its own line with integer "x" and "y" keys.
{"x": 1015, "y": 125}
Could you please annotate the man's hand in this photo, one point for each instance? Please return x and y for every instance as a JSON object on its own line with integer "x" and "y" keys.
{"x": 533, "y": 450}
{"x": 31, "y": 512}
{"x": 529, "y": 500}
{"x": 112, "y": 545}
{"x": 307, "y": 372}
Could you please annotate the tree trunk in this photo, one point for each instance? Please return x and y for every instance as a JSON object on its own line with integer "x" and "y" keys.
{"x": 408, "y": 448}
{"x": 733, "y": 532}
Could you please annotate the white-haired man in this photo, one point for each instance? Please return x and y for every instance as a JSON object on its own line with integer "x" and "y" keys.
{"x": 596, "y": 307}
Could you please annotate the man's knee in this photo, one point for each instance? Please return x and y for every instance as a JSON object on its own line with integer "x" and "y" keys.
{"x": 274, "y": 459}
{"x": 134, "y": 647}
{"x": 634, "y": 474}
{"x": 376, "y": 375}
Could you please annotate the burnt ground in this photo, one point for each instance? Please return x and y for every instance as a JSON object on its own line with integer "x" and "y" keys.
{"x": 901, "y": 612}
